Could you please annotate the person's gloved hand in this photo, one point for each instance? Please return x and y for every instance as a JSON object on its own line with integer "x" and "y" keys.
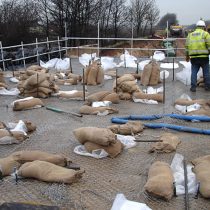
{"x": 187, "y": 58}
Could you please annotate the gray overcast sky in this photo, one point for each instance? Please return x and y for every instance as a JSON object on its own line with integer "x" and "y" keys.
{"x": 187, "y": 11}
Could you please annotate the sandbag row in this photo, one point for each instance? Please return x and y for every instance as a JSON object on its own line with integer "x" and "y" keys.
{"x": 40, "y": 165}
{"x": 37, "y": 84}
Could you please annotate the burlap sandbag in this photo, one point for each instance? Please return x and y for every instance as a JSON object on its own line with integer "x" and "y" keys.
{"x": 145, "y": 76}
{"x": 92, "y": 76}
{"x": 201, "y": 111}
{"x": 49, "y": 172}
{"x": 18, "y": 135}
{"x": 70, "y": 81}
{"x": 30, "y": 126}
{"x": 46, "y": 91}
{"x": 101, "y": 136}
{"x": 3, "y": 85}
{"x": 202, "y": 171}
{"x": 155, "y": 74}
{"x": 31, "y": 155}
{"x": 7, "y": 165}
{"x": 124, "y": 78}
{"x": 130, "y": 128}
{"x": 46, "y": 84}
{"x": 27, "y": 104}
{"x": 186, "y": 102}
{"x": 136, "y": 76}
{"x": 129, "y": 86}
{"x": 113, "y": 97}
{"x": 125, "y": 96}
{"x": 74, "y": 76}
{"x": 85, "y": 109}
{"x": 169, "y": 143}
{"x": 75, "y": 95}
{"x": 160, "y": 180}
{"x": 34, "y": 80}
{"x": 156, "y": 97}
{"x": 113, "y": 150}
{"x": 102, "y": 96}
{"x": 38, "y": 95}
{"x": 100, "y": 75}
{"x": 2, "y": 81}
{"x": 34, "y": 68}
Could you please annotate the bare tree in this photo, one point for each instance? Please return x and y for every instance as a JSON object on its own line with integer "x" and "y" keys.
{"x": 152, "y": 17}
{"x": 139, "y": 10}
{"x": 18, "y": 21}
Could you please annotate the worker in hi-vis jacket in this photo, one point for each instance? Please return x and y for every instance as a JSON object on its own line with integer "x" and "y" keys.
{"x": 197, "y": 49}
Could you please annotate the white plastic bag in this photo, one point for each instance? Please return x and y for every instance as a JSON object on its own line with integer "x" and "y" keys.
{"x": 121, "y": 203}
{"x": 11, "y": 92}
{"x": 99, "y": 153}
{"x": 101, "y": 103}
{"x": 158, "y": 56}
{"x": 127, "y": 141}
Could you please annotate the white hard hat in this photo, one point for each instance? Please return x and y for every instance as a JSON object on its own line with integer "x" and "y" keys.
{"x": 201, "y": 23}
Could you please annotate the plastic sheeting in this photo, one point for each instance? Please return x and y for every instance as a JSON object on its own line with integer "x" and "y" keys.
{"x": 85, "y": 58}
{"x": 184, "y": 76}
{"x": 57, "y": 63}
{"x": 178, "y": 173}
{"x": 128, "y": 60}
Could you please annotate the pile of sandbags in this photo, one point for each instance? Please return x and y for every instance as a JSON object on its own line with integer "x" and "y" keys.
{"x": 130, "y": 128}
{"x": 202, "y": 172}
{"x": 37, "y": 83}
{"x": 94, "y": 138}
{"x": 160, "y": 181}
{"x": 2, "y": 81}
{"x": 40, "y": 165}
{"x": 102, "y": 96}
{"x": 168, "y": 143}
{"x": 126, "y": 86}
{"x": 94, "y": 74}
{"x": 151, "y": 74}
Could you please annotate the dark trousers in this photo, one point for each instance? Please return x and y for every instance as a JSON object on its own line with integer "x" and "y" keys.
{"x": 198, "y": 63}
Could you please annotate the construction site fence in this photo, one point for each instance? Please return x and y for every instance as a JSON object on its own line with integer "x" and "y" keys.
{"x": 20, "y": 54}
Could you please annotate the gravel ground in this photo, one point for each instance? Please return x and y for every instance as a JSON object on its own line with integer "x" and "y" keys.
{"x": 104, "y": 178}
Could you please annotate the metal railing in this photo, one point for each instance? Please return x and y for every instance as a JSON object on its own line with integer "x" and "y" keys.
{"x": 61, "y": 45}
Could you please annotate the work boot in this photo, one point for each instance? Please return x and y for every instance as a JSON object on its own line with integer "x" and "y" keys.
{"x": 193, "y": 89}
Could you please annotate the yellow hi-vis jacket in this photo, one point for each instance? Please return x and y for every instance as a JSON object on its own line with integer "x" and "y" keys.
{"x": 198, "y": 44}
